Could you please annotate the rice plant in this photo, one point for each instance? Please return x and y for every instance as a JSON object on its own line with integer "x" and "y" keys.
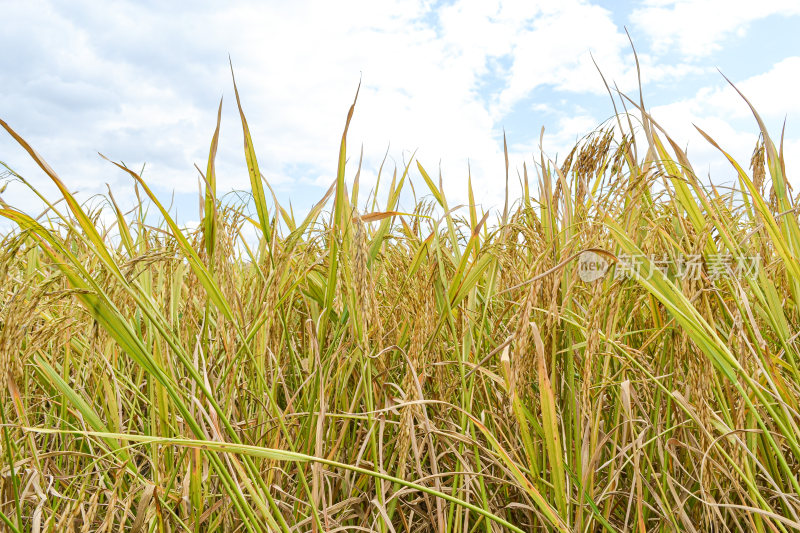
{"x": 436, "y": 368}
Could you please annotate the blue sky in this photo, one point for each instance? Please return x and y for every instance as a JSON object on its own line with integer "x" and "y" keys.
{"x": 141, "y": 81}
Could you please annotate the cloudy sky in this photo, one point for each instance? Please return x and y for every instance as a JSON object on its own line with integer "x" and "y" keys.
{"x": 141, "y": 81}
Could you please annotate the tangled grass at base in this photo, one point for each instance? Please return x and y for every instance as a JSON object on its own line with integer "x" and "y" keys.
{"x": 366, "y": 369}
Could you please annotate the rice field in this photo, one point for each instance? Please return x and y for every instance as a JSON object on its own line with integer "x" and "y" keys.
{"x": 615, "y": 350}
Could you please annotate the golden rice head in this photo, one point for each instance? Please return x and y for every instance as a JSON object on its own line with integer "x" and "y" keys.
{"x": 423, "y": 309}
{"x": 592, "y": 342}
{"x": 362, "y": 280}
{"x": 757, "y": 166}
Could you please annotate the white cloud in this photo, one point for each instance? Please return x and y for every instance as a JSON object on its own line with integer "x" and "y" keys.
{"x": 698, "y": 28}
{"x": 773, "y": 93}
{"x": 139, "y": 83}
{"x": 722, "y": 114}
